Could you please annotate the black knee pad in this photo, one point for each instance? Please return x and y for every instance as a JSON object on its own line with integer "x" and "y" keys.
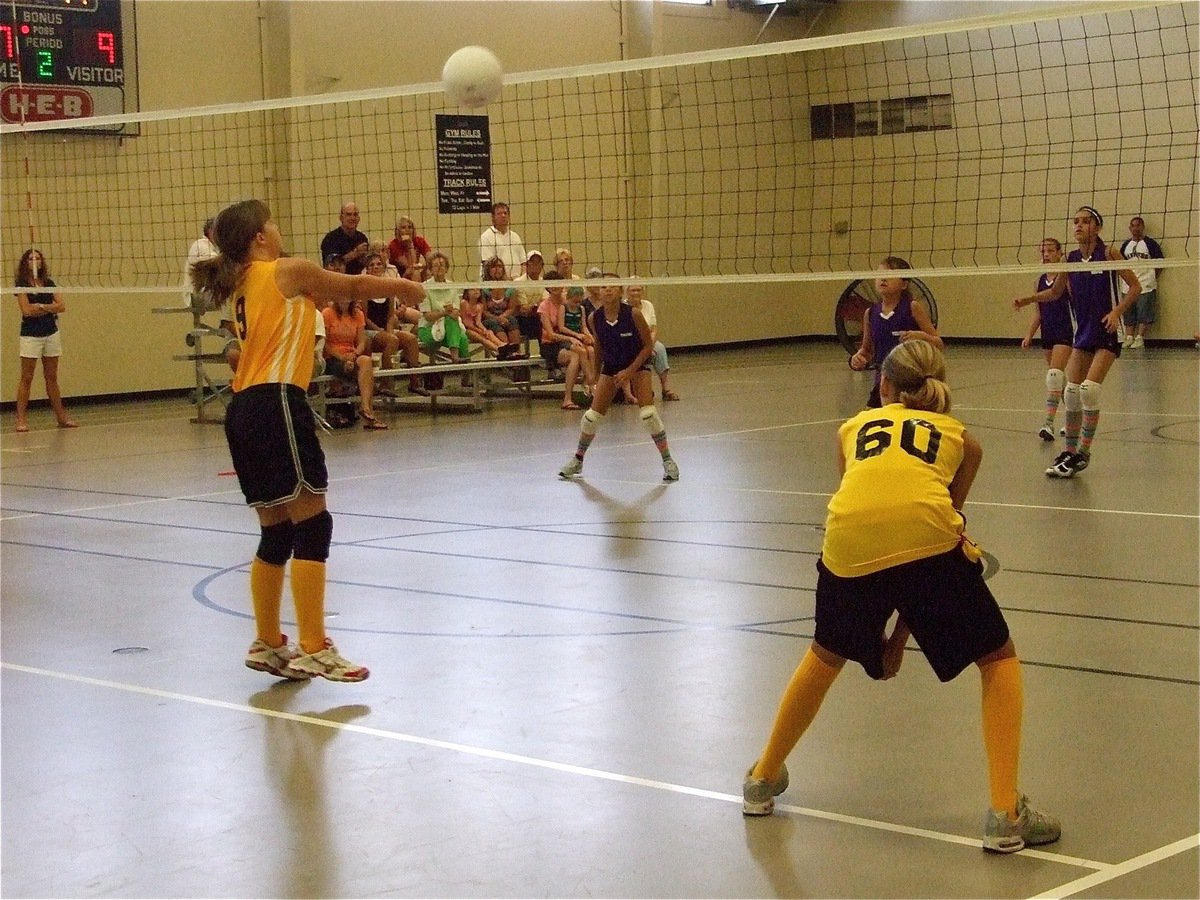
{"x": 313, "y": 536}
{"x": 275, "y": 545}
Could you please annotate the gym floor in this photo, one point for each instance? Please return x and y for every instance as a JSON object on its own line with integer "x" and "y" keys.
{"x": 570, "y": 679}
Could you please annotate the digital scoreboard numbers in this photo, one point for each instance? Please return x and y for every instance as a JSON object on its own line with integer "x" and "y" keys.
{"x": 62, "y": 60}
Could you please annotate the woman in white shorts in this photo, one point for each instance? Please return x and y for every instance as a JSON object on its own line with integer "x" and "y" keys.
{"x": 40, "y": 338}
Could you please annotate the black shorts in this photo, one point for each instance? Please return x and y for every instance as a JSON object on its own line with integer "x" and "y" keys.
{"x": 943, "y": 600}
{"x": 611, "y": 372}
{"x": 273, "y": 441}
{"x": 551, "y": 350}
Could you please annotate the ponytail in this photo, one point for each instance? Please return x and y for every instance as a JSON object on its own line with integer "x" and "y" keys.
{"x": 916, "y": 371}
{"x": 217, "y": 278}
{"x": 233, "y": 232}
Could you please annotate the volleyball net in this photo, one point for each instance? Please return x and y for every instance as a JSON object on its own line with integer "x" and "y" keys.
{"x": 958, "y": 146}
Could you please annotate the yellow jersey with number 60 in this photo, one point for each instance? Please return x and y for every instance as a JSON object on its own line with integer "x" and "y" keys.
{"x": 893, "y": 505}
{"x": 277, "y": 334}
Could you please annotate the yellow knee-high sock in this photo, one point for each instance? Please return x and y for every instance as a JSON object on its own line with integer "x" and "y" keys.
{"x": 801, "y": 701}
{"x": 1003, "y": 699}
{"x": 308, "y": 592}
{"x": 266, "y": 589}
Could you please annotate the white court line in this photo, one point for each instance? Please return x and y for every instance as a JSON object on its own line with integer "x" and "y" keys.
{"x": 624, "y": 445}
{"x": 1108, "y": 873}
{"x": 1190, "y": 416}
{"x": 569, "y": 769}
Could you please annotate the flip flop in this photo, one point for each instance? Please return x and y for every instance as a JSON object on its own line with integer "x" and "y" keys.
{"x": 571, "y": 405}
{"x": 373, "y": 424}
{"x": 670, "y": 395}
{"x": 68, "y": 424}
{"x": 22, "y": 429}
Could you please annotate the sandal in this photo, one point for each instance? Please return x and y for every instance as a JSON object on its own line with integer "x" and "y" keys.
{"x": 22, "y": 427}
{"x": 370, "y": 423}
{"x": 571, "y": 404}
{"x": 670, "y": 395}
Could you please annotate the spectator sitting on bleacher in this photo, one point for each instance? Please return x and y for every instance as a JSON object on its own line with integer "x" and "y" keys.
{"x": 346, "y": 240}
{"x": 407, "y": 247}
{"x": 347, "y": 357}
{"x": 500, "y": 315}
{"x": 472, "y": 311}
{"x": 559, "y": 347}
{"x": 529, "y": 298}
{"x": 383, "y": 331}
{"x": 381, "y": 317}
{"x": 636, "y": 296}
{"x": 577, "y": 326}
{"x": 440, "y": 326}
{"x": 564, "y": 263}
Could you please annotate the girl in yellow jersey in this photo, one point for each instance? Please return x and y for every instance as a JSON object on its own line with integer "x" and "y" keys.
{"x": 894, "y": 542}
{"x": 271, "y": 430}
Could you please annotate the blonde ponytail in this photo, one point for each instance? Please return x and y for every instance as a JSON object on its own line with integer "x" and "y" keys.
{"x": 916, "y": 371}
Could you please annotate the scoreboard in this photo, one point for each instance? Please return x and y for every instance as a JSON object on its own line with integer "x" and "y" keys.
{"x": 65, "y": 59}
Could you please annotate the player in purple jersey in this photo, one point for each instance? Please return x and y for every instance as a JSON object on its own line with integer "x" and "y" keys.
{"x": 624, "y": 348}
{"x": 897, "y": 317}
{"x": 1098, "y": 314}
{"x": 1058, "y": 332}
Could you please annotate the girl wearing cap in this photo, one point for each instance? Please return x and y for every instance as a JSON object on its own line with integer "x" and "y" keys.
{"x": 1095, "y": 300}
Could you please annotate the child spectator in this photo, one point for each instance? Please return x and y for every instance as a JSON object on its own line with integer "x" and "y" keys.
{"x": 501, "y": 305}
{"x": 558, "y": 346}
{"x": 636, "y": 295}
{"x": 472, "y": 310}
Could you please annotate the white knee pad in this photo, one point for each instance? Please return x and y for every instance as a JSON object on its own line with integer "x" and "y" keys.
{"x": 1089, "y": 393}
{"x": 591, "y": 421}
{"x": 1071, "y": 399}
{"x": 651, "y": 419}
{"x": 1056, "y": 379}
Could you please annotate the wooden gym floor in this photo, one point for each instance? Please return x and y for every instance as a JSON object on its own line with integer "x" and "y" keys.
{"x": 569, "y": 679}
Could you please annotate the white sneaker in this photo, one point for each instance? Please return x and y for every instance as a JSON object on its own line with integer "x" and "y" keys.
{"x": 1128, "y": 342}
{"x": 573, "y": 467}
{"x": 1138, "y": 343}
{"x": 1031, "y": 828}
{"x": 329, "y": 664}
{"x": 670, "y": 470}
{"x": 262, "y": 657}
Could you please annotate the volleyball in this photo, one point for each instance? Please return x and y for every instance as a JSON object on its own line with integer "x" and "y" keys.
{"x": 472, "y": 77}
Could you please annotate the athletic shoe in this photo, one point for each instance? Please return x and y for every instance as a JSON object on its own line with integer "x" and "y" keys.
{"x": 1128, "y": 342}
{"x": 1033, "y": 827}
{"x": 1046, "y": 433}
{"x": 262, "y": 657}
{"x": 329, "y": 664}
{"x": 1080, "y": 461}
{"x": 670, "y": 470}
{"x": 1062, "y": 432}
{"x": 573, "y": 467}
{"x": 758, "y": 794}
{"x": 1061, "y": 467}
{"x": 1139, "y": 343}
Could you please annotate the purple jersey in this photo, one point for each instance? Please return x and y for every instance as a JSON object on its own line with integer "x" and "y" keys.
{"x": 1057, "y": 327}
{"x": 882, "y": 339}
{"x": 619, "y": 341}
{"x": 1093, "y": 296}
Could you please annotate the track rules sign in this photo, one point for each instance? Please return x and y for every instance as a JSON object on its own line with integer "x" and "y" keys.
{"x": 464, "y": 164}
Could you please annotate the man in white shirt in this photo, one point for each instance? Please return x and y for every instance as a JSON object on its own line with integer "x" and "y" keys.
{"x": 202, "y": 248}
{"x": 1140, "y": 316}
{"x": 214, "y": 319}
{"x": 500, "y": 240}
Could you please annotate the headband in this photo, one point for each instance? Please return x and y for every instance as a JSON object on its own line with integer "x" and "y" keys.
{"x": 1095, "y": 215}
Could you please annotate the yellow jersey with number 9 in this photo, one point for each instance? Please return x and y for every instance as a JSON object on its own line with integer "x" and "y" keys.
{"x": 277, "y": 334}
{"x": 893, "y": 505}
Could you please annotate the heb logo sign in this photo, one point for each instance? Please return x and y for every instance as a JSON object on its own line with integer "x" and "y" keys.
{"x": 31, "y": 103}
